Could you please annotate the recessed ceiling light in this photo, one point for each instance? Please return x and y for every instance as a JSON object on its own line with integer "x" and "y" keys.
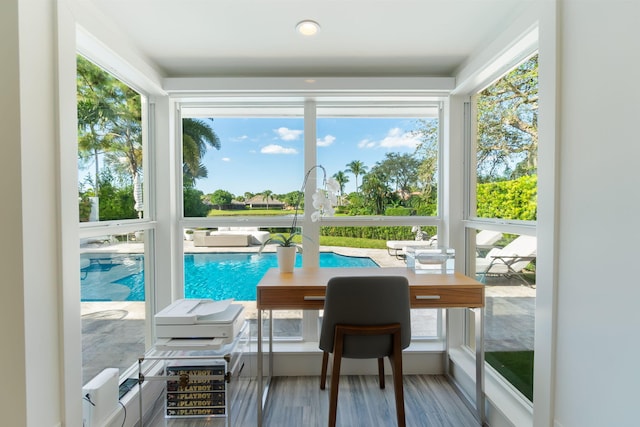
{"x": 307, "y": 27}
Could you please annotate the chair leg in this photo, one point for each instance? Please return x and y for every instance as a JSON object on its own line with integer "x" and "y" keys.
{"x": 381, "y": 371}
{"x": 396, "y": 367}
{"x": 335, "y": 376}
{"x": 323, "y": 373}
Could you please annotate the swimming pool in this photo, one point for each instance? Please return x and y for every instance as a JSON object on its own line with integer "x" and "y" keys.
{"x": 216, "y": 276}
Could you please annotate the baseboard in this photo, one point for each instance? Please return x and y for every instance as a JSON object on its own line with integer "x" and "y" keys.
{"x": 307, "y": 362}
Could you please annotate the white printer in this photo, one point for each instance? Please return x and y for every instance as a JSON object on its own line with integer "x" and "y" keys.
{"x": 198, "y": 323}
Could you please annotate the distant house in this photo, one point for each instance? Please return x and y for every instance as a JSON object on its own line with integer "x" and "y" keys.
{"x": 260, "y": 202}
{"x": 236, "y": 205}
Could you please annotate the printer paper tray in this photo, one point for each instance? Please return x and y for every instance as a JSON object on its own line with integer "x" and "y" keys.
{"x": 170, "y": 344}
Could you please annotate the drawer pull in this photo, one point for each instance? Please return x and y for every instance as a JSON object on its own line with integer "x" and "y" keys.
{"x": 314, "y": 298}
{"x": 427, "y": 296}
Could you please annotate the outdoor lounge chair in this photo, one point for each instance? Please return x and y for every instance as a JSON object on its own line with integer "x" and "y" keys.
{"x": 397, "y": 247}
{"x": 509, "y": 261}
{"x": 486, "y": 239}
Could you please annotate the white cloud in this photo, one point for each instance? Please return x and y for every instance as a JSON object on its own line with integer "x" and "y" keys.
{"x": 277, "y": 149}
{"x": 397, "y": 138}
{"x": 226, "y": 159}
{"x": 326, "y": 141}
{"x": 287, "y": 134}
{"x": 367, "y": 143}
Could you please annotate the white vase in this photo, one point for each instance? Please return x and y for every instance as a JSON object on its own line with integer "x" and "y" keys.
{"x": 286, "y": 258}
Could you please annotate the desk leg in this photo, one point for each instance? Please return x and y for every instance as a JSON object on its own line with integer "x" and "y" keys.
{"x": 259, "y": 369}
{"x": 479, "y": 327}
{"x": 263, "y": 389}
{"x": 270, "y": 347}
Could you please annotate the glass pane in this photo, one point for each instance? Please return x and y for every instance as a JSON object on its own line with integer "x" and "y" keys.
{"x": 242, "y": 166}
{"x": 508, "y": 270}
{"x": 225, "y": 262}
{"x": 426, "y": 323}
{"x": 506, "y": 146}
{"x": 385, "y": 166}
{"x": 110, "y": 149}
{"x": 385, "y": 246}
{"x": 113, "y": 295}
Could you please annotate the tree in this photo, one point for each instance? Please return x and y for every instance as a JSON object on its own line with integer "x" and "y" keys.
{"x": 109, "y": 124}
{"x": 357, "y": 168}
{"x": 293, "y": 199}
{"x": 341, "y": 179}
{"x": 221, "y": 198}
{"x": 266, "y": 195}
{"x": 375, "y": 191}
{"x": 197, "y": 136}
{"x": 109, "y": 120}
{"x": 401, "y": 171}
{"x": 193, "y": 203}
{"x": 427, "y": 153}
{"x": 508, "y": 125}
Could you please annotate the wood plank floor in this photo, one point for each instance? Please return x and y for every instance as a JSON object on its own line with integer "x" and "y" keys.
{"x": 298, "y": 402}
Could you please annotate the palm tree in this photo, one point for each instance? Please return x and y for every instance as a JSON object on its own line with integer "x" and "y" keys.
{"x": 109, "y": 124}
{"x": 357, "y": 168}
{"x": 341, "y": 179}
{"x": 197, "y": 135}
{"x": 266, "y": 195}
{"x": 376, "y": 191}
{"x": 103, "y": 112}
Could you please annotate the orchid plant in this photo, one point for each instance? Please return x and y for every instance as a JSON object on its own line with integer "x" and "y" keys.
{"x": 323, "y": 201}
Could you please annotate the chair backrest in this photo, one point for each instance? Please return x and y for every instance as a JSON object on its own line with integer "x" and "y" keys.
{"x": 366, "y": 300}
{"x": 521, "y": 246}
{"x": 487, "y": 238}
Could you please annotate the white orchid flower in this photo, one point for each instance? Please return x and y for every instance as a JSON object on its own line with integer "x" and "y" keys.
{"x": 332, "y": 185}
{"x": 318, "y": 199}
{"x": 333, "y": 198}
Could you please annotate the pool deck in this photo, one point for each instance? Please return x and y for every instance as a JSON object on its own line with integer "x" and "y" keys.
{"x": 118, "y": 327}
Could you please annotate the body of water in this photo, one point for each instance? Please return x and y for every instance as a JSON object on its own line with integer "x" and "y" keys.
{"x": 215, "y": 276}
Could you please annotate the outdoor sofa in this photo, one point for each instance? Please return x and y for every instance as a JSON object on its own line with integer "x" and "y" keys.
{"x": 230, "y": 236}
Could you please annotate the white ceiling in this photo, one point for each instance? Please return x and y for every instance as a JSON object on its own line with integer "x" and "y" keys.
{"x": 185, "y": 38}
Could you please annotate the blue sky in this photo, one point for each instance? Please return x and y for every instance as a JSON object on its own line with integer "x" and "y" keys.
{"x": 260, "y": 154}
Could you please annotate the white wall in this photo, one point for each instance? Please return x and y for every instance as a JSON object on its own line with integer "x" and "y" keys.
{"x": 597, "y": 359}
{"x": 12, "y": 399}
{"x": 28, "y": 183}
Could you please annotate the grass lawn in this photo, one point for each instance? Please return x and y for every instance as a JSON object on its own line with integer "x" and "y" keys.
{"x": 252, "y": 212}
{"x": 353, "y": 242}
{"x": 516, "y": 367}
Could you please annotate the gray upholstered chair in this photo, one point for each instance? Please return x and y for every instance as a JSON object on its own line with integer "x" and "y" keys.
{"x": 366, "y": 317}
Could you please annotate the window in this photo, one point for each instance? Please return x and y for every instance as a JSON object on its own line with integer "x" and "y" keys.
{"x": 241, "y": 165}
{"x": 110, "y": 154}
{"x": 115, "y": 238}
{"x": 501, "y": 242}
{"x": 246, "y": 179}
{"x": 506, "y": 145}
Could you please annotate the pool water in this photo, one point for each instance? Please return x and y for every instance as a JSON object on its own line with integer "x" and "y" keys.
{"x": 232, "y": 275}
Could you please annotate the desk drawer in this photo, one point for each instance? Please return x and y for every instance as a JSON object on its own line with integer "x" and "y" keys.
{"x": 275, "y": 298}
{"x": 446, "y": 297}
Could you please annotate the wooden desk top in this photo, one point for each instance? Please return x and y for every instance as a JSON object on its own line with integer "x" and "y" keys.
{"x": 305, "y": 288}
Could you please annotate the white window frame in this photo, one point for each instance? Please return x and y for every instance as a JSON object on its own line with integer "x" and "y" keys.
{"x": 362, "y": 105}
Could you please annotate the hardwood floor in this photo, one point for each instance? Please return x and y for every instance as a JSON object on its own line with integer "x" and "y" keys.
{"x": 298, "y": 402}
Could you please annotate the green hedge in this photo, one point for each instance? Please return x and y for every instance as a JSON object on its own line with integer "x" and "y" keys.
{"x": 515, "y": 199}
